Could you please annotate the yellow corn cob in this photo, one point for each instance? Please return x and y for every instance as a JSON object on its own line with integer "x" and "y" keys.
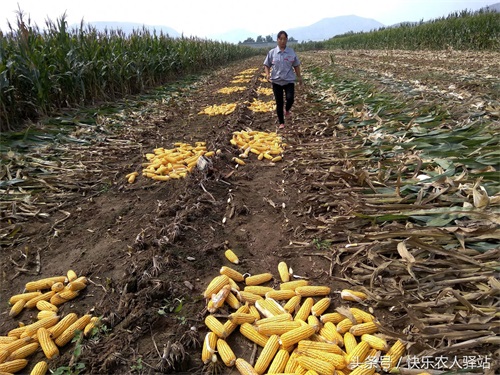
{"x": 233, "y": 301}
{"x": 229, "y": 327}
{"x": 337, "y": 360}
{"x": 350, "y": 342}
{"x": 279, "y": 362}
{"x": 330, "y": 333}
{"x": 277, "y": 328}
{"x": 251, "y": 333}
{"x": 69, "y": 332}
{"x": 71, "y": 275}
{"x": 45, "y": 314}
{"x": 295, "y": 335}
{"x": 17, "y": 307}
{"x": 292, "y": 304}
{"x": 238, "y": 161}
{"x": 359, "y": 329}
{"x": 240, "y": 318}
{"x": 320, "y": 306}
{"x": 25, "y": 296}
{"x": 62, "y": 325}
{"x": 253, "y": 310}
{"x": 94, "y": 322}
{"x": 67, "y": 294}
{"x": 361, "y": 316}
{"x": 293, "y": 284}
{"x": 46, "y": 283}
{"x": 313, "y": 321}
{"x": 234, "y": 285}
{"x": 57, "y": 287}
{"x": 6, "y": 340}
{"x": 277, "y": 158}
{"x": 393, "y": 355}
{"x": 81, "y": 279}
{"x": 280, "y": 295}
{"x": 44, "y": 305}
{"x": 217, "y": 300}
{"x": 46, "y": 323}
{"x": 244, "y": 367}
{"x": 57, "y": 300}
{"x": 352, "y": 295}
{"x": 24, "y": 351}
{"x": 42, "y": 297}
{"x": 258, "y": 289}
{"x": 231, "y": 273}
{"x": 258, "y": 279}
{"x": 321, "y": 367}
{"x": 16, "y": 344}
{"x": 375, "y": 342}
{"x": 268, "y": 307}
{"x": 292, "y": 363}
{"x": 334, "y": 317}
{"x": 267, "y": 354}
{"x": 17, "y": 332}
{"x": 344, "y": 325}
{"x": 4, "y": 354}
{"x": 215, "y": 285}
{"x": 13, "y": 366}
{"x": 358, "y": 355}
{"x": 209, "y": 346}
{"x": 48, "y": 345}
{"x": 40, "y": 368}
{"x": 364, "y": 369}
{"x": 215, "y": 326}
{"x": 326, "y": 347}
{"x": 283, "y": 271}
{"x": 312, "y": 290}
{"x": 274, "y": 319}
{"x": 226, "y": 353}
{"x": 248, "y": 297}
{"x": 305, "y": 309}
{"x": 76, "y": 285}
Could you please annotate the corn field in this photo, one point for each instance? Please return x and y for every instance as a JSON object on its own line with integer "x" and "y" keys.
{"x": 461, "y": 31}
{"x": 42, "y": 71}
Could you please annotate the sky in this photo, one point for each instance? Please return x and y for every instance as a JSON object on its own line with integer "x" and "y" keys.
{"x": 205, "y": 18}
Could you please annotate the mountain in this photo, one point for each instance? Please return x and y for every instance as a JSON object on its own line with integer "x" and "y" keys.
{"x": 234, "y": 36}
{"x": 493, "y": 7}
{"x": 329, "y": 27}
{"x": 129, "y": 27}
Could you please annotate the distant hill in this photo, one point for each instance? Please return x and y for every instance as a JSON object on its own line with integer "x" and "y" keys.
{"x": 129, "y": 27}
{"x": 329, "y": 27}
{"x": 234, "y": 36}
{"x": 493, "y": 7}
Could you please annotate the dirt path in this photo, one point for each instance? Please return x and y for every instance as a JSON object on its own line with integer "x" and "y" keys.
{"x": 150, "y": 248}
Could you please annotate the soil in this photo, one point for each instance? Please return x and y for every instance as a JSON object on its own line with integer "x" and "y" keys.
{"x": 149, "y": 249}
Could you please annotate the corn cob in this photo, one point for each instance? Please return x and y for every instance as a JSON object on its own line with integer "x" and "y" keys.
{"x": 313, "y": 321}
{"x": 46, "y": 283}
{"x": 352, "y": 295}
{"x": 60, "y": 327}
{"x": 350, "y": 342}
{"x": 344, "y": 325}
{"x": 321, "y": 367}
{"x": 48, "y": 345}
{"x": 248, "y": 297}
{"x": 217, "y": 300}
{"x": 312, "y": 290}
{"x": 267, "y": 354}
{"x": 13, "y": 366}
{"x": 295, "y": 335}
{"x": 233, "y": 301}
{"x": 231, "y": 273}
{"x": 240, "y": 318}
{"x": 305, "y": 309}
{"x": 293, "y": 284}
{"x": 94, "y": 322}
{"x": 292, "y": 363}
{"x": 17, "y": 332}
{"x": 234, "y": 285}
{"x": 4, "y": 354}
{"x": 67, "y": 295}
{"x": 277, "y": 328}
{"x": 283, "y": 271}
{"x": 46, "y": 323}
{"x": 253, "y": 310}
{"x": 215, "y": 285}
{"x": 17, "y": 307}
{"x": 215, "y": 326}
{"x": 24, "y": 351}
{"x": 42, "y": 297}
{"x": 357, "y": 355}
{"x": 274, "y": 319}
{"x": 209, "y": 346}
{"x": 305, "y": 345}
{"x": 40, "y": 368}
{"x": 330, "y": 333}
{"x": 280, "y": 295}
{"x": 394, "y": 354}
{"x": 375, "y": 342}
{"x": 244, "y": 367}
{"x": 75, "y": 286}
{"x": 253, "y": 335}
{"x": 45, "y": 314}
{"x": 320, "y": 306}
{"x": 360, "y": 329}
{"x": 279, "y": 362}
{"x": 44, "y": 305}
{"x": 292, "y": 304}
{"x": 57, "y": 287}
{"x": 226, "y": 353}
{"x": 337, "y": 360}
{"x": 268, "y": 308}
{"x": 25, "y": 296}
{"x": 231, "y": 256}
{"x": 71, "y": 275}
{"x": 300, "y": 370}
{"x": 334, "y": 317}
{"x": 6, "y": 340}
{"x": 258, "y": 289}
{"x": 361, "y": 316}
{"x": 258, "y": 279}
{"x": 69, "y": 332}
